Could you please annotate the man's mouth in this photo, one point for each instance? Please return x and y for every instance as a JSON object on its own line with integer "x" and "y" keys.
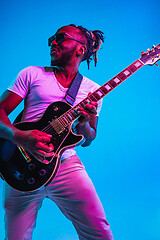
{"x": 53, "y": 50}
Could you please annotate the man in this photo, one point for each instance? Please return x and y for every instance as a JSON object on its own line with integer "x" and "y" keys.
{"x": 71, "y": 189}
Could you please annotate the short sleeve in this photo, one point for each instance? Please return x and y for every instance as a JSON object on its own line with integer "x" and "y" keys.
{"x": 21, "y": 83}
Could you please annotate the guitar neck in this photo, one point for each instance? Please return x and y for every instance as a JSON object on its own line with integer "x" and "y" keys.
{"x": 147, "y": 58}
{"x": 71, "y": 115}
{"x": 114, "y": 82}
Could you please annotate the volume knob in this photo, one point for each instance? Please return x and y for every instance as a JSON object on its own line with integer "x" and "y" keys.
{"x": 31, "y": 180}
{"x": 42, "y": 172}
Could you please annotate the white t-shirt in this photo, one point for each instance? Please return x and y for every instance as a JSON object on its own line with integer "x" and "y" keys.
{"x": 40, "y": 88}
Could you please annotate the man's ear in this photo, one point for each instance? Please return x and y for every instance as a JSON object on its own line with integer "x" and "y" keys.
{"x": 81, "y": 50}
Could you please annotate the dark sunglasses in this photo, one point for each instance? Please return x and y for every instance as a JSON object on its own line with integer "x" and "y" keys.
{"x": 60, "y": 37}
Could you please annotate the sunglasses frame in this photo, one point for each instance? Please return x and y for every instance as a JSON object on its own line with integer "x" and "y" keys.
{"x": 62, "y": 39}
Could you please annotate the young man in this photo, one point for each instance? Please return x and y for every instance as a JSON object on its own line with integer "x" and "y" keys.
{"x": 71, "y": 189}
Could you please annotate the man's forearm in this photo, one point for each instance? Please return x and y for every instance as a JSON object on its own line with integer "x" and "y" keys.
{"x": 6, "y": 128}
{"x": 88, "y": 132}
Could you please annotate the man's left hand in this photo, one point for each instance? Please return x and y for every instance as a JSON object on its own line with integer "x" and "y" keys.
{"x": 88, "y": 112}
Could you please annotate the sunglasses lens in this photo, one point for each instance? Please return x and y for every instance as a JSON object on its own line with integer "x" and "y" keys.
{"x": 50, "y": 40}
{"x": 59, "y": 37}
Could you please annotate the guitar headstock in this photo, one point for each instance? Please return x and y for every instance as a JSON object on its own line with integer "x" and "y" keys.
{"x": 151, "y": 56}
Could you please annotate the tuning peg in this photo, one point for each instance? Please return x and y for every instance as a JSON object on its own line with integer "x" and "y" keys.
{"x": 148, "y": 50}
{"x": 142, "y": 52}
{"x": 153, "y": 46}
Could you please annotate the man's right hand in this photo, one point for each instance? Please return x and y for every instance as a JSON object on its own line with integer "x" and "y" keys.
{"x": 36, "y": 142}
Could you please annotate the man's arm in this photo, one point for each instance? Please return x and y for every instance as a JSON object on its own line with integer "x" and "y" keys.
{"x": 8, "y": 102}
{"x": 88, "y": 130}
{"x": 88, "y": 121}
{"x": 34, "y": 141}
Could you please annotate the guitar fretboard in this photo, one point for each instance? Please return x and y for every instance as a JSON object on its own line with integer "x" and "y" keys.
{"x": 71, "y": 115}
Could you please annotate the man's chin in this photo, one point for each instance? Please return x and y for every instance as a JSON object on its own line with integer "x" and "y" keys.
{"x": 56, "y": 64}
{"x": 53, "y": 63}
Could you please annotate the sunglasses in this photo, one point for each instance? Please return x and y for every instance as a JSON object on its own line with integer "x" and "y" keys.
{"x": 61, "y": 37}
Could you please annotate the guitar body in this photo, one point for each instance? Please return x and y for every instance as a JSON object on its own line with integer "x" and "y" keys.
{"x": 24, "y": 172}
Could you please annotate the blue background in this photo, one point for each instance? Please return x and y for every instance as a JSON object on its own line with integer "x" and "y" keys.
{"x": 124, "y": 160}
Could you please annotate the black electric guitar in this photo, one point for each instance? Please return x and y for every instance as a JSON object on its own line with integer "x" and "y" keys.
{"x": 24, "y": 172}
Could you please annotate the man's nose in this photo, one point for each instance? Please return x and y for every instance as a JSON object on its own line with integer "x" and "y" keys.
{"x": 54, "y": 42}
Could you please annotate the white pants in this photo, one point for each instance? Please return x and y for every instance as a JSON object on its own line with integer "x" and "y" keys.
{"x": 72, "y": 191}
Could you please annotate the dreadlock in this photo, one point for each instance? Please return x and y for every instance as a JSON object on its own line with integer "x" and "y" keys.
{"x": 94, "y": 39}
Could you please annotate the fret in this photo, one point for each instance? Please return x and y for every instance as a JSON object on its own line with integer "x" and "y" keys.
{"x": 67, "y": 118}
{"x": 104, "y": 90}
{"x": 135, "y": 66}
{"x": 127, "y": 72}
{"x": 69, "y": 115}
{"x": 98, "y": 95}
{"x": 107, "y": 86}
{"x": 112, "y": 83}
{"x": 92, "y": 97}
{"x": 138, "y": 64}
{"x": 82, "y": 104}
{"x": 64, "y": 120}
{"x": 122, "y": 76}
{"x": 117, "y": 80}
{"x": 132, "y": 68}
{"x": 85, "y": 101}
{"x": 74, "y": 114}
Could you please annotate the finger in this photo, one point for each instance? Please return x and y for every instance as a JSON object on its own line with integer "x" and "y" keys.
{"x": 41, "y": 155}
{"x": 43, "y": 134}
{"x": 44, "y": 140}
{"x": 90, "y": 109}
{"x": 87, "y": 115}
{"x": 44, "y": 147}
{"x": 44, "y": 154}
{"x": 38, "y": 156}
{"x": 94, "y": 104}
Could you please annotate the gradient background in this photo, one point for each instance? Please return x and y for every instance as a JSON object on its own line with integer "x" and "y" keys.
{"x": 124, "y": 160}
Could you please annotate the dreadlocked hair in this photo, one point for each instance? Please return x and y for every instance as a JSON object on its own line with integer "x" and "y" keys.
{"x": 94, "y": 40}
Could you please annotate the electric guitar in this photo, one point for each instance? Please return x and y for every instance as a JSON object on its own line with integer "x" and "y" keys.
{"x": 23, "y": 171}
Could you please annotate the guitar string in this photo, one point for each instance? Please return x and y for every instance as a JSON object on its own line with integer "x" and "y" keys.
{"x": 69, "y": 112}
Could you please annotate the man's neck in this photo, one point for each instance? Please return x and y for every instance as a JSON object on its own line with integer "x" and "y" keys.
{"x": 66, "y": 75}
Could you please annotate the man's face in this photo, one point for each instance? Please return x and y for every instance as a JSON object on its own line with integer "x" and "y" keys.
{"x": 63, "y": 50}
